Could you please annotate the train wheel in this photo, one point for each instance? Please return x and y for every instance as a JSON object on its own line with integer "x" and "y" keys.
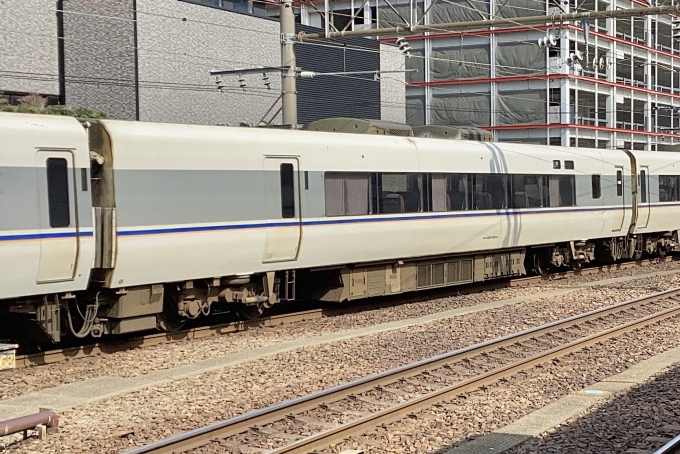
{"x": 540, "y": 263}
{"x": 249, "y": 311}
{"x": 170, "y": 324}
{"x": 169, "y": 320}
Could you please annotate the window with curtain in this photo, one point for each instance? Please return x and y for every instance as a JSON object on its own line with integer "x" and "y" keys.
{"x": 346, "y": 194}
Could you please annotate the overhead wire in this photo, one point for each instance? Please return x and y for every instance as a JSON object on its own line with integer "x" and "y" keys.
{"x": 229, "y": 26}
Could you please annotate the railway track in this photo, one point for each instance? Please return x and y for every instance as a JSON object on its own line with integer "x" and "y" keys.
{"x": 672, "y": 447}
{"x": 57, "y": 355}
{"x": 315, "y": 422}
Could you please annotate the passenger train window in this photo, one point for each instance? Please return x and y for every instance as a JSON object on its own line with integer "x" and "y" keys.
{"x": 450, "y": 192}
{"x": 287, "y": 191}
{"x": 561, "y": 190}
{"x": 643, "y": 186}
{"x": 490, "y": 192}
{"x": 619, "y": 183}
{"x": 595, "y": 181}
{"x": 528, "y": 191}
{"x": 57, "y": 192}
{"x": 668, "y": 188}
{"x": 399, "y": 193}
{"x": 569, "y": 165}
{"x": 346, "y": 193}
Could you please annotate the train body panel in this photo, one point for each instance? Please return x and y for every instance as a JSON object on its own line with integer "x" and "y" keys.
{"x": 46, "y": 236}
{"x": 216, "y": 178}
{"x": 658, "y": 195}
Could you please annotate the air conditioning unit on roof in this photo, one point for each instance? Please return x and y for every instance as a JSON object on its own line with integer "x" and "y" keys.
{"x": 453, "y": 132}
{"x": 359, "y": 126}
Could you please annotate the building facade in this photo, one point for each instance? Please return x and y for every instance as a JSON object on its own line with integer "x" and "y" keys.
{"x": 150, "y": 60}
{"x": 607, "y": 83}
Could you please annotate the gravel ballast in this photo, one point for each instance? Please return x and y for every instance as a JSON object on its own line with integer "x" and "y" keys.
{"x": 113, "y": 424}
{"x": 150, "y": 359}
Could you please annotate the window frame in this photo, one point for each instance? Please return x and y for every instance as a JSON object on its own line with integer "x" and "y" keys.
{"x": 380, "y": 199}
{"x": 58, "y": 192}
{"x": 596, "y": 186}
{"x": 673, "y": 180}
{"x": 287, "y": 190}
{"x": 343, "y": 177}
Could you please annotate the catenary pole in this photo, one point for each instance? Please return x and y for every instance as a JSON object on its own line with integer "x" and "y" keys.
{"x": 479, "y": 24}
{"x": 288, "y": 71}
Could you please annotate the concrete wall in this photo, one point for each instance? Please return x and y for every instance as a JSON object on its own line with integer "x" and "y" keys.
{"x": 151, "y": 60}
{"x": 99, "y": 56}
{"x": 29, "y": 60}
{"x": 392, "y": 85}
{"x": 175, "y": 58}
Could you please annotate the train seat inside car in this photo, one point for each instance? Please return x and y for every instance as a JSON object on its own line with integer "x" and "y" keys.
{"x": 392, "y": 203}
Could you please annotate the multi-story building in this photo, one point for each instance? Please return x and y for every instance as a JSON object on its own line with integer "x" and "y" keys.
{"x": 623, "y": 92}
{"x": 151, "y": 59}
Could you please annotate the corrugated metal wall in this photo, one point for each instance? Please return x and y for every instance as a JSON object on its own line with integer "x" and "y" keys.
{"x": 331, "y": 96}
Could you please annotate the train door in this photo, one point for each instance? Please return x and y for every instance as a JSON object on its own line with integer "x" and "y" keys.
{"x": 282, "y": 209}
{"x": 643, "y": 197}
{"x": 620, "y": 203}
{"x": 57, "y": 212}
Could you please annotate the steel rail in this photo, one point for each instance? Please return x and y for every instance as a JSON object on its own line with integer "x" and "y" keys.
{"x": 234, "y": 426}
{"x": 149, "y": 340}
{"x": 392, "y": 414}
{"x": 57, "y": 355}
{"x": 672, "y": 447}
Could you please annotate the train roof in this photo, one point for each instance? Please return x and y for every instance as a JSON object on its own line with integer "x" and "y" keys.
{"x": 40, "y": 132}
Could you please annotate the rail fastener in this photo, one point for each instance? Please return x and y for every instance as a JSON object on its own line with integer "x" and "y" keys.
{"x": 44, "y": 422}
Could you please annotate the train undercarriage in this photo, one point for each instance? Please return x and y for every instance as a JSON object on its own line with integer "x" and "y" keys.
{"x": 101, "y": 312}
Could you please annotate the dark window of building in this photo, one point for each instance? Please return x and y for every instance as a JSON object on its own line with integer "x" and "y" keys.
{"x": 287, "y": 191}
{"x": 569, "y": 165}
{"x": 57, "y": 192}
{"x": 619, "y": 183}
{"x": 597, "y": 186}
{"x": 643, "y": 186}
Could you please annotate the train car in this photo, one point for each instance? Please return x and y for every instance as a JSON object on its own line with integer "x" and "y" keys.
{"x": 177, "y": 219}
{"x": 656, "y": 202}
{"x": 46, "y": 235}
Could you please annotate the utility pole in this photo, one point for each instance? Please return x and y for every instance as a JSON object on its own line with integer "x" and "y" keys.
{"x": 288, "y": 65}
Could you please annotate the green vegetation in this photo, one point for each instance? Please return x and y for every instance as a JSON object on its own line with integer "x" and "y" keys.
{"x": 36, "y": 104}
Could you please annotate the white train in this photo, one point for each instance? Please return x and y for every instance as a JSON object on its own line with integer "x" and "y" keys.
{"x": 115, "y": 227}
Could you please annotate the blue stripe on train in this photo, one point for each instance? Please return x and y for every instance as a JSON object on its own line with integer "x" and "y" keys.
{"x": 40, "y": 236}
{"x": 328, "y": 221}
{"x": 357, "y": 220}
